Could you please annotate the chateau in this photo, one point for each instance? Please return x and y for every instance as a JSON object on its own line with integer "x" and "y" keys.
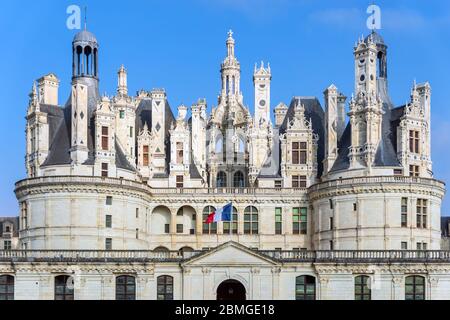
{"x": 332, "y": 202}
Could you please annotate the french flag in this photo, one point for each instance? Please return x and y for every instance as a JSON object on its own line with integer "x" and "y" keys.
{"x": 222, "y": 214}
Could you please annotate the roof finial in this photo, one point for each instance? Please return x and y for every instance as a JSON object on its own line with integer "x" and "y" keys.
{"x": 230, "y": 34}
{"x": 85, "y": 18}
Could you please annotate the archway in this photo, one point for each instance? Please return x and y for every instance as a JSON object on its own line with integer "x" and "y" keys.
{"x": 231, "y": 290}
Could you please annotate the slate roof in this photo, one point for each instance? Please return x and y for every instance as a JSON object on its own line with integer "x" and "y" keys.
{"x": 15, "y": 223}
{"x": 386, "y": 154}
{"x": 445, "y": 232}
{"x": 313, "y": 112}
{"x": 61, "y": 130}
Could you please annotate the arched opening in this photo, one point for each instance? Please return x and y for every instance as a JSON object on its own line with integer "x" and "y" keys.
{"x": 186, "y": 220}
{"x": 221, "y": 180}
{"x": 95, "y": 62}
{"x": 161, "y": 249}
{"x": 238, "y": 180}
{"x": 88, "y": 57}
{"x": 231, "y": 290}
{"x": 79, "y": 60}
{"x": 64, "y": 286}
{"x": 6, "y": 287}
{"x": 125, "y": 287}
{"x": 160, "y": 220}
{"x": 185, "y": 249}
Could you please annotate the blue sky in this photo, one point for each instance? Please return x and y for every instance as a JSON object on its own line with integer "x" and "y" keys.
{"x": 178, "y": 45}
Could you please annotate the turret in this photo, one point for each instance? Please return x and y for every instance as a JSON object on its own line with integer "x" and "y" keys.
{"x": 261, "y": 81}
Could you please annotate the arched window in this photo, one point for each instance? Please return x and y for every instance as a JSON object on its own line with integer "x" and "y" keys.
{"x": 63, "y": 288}
{"x": 415, "y": 288}
{"x": 209, "y": 228}
{"x": 238, "y": 180}
{"x": 362, "y": 288}
{"x": 186, "y": 250}
{"x": 251, "y": 220}
{"x": 231, "y": 227}
{"x": 219, "y": 144}
{"x": 160, "y": 249}
{"x": 125, "y": 288}
{"x": 6, "y": 287}
{"x": 221, "y": 180}
{"x": 241, "y": 145}
{"x": 305, "y": 288}
{"x": 165, "y": 288}
{"x": 79, "y": 60}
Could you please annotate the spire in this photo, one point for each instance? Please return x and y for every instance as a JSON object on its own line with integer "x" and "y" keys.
{"x": 34, "y": 102}
{"x": 85, "y": 18}
{"x": 230, "y": 44}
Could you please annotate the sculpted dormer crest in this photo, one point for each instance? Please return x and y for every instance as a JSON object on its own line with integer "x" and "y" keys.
{"x": 299, "y": 122}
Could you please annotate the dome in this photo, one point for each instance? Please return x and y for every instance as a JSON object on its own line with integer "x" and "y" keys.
{"x": 376, "y": 38}
{"x": 84, "y": 36}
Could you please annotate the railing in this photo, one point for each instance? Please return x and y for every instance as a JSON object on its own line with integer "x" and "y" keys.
{"x": 229, "y": 190}
{"x": 144, "y": 187}
{"x": 340, "y": 256}
{"x": 378, "y": 179}
{"x": 94, "y": 256}
{"x": 360, "y": 256}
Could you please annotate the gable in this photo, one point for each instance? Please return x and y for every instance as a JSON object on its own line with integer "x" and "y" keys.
{"x": 231, "y": 254}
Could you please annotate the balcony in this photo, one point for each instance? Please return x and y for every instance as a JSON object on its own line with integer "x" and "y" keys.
{"x": 144, "y": 256}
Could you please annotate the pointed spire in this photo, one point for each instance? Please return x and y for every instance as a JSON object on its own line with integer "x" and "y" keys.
{"x": 85, "y": 18}
{"x": 230, "y": 44}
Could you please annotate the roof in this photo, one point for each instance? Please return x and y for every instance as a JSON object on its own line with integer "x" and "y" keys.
{"x": 14, "y": 221}
{"x": 85, "y": 36}
{"x": 445, "y": 232}
{"x": 375, "y": 37}
{"x": 315, "y": 113}
{"x": 386, "y": 154}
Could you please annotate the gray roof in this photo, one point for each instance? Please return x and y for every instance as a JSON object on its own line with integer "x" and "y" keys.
{"x": 445, "y": 232}
{"x": 386, "y": 154}
{"x": 85, "y": 36}
{"x": 61, "y": 130}
{"x": 313, "y": 112}
{"x": 376, "y": 38}
{"x": 14, "y": 221}
{"x": 144, "y": 116}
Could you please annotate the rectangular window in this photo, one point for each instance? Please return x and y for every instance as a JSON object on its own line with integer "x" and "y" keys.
{"x": 109, "y": 200}
{"x": 137, "y": 233}
{"x": 278, "y": 184}
{"x": 104, "y": 170}
{"x": 398, "y": 172}
{"x": 179, "y": 228}
{"x": 108, "y": 221}
{"x": 122, "y": 114}
{"x": 295, "y": 153}
{"x": 104, "y": 138}
{"x": 145, "y": 156}
{"x": 331, "y": 245}
{"x": 303, "y": 220}
{"x": 232, "y": 226}
{"x": 331, "y": 223}
{"x": 419, "y": 246}
{"x": 278, "y": 221}
{"x": 298, "y": 181}
{"x": 404, "y": 212}
{"x": 422, "y": 205}
{"x": 331, "y": 204}
{"x": 413, "y": 171}
{"x": 108, "y": 244}
{"x": 179, "y": 181}
{"x": 7, "y": 245}
{"x": 167, "y": 228}
{"x": 299, "y": 220}
{"x": 355, "y": 207}
{"x": 131, "y": 132}
{"x": 24, "y": 208}
{"x": 179, "y": 152}
{"x": 137, "y": 213}
{"x": 303, "y": 152}
{"x": 414, "y": 141}
{"x": 404, "y": 245}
